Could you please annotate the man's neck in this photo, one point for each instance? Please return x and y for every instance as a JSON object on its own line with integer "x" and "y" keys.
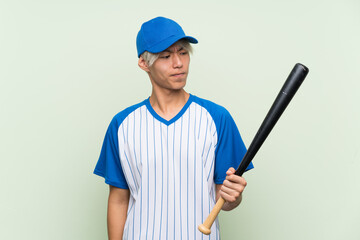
{"x": 168, "y": 104}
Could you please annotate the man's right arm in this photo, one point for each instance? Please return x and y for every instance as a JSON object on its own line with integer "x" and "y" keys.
{"x": 117, "y": 211}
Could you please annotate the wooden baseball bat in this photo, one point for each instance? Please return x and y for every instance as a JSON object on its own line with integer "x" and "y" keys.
{"x": 291, "y": 85}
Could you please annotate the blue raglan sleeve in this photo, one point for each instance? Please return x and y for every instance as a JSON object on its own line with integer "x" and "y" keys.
{"x": 230, "y": 148}
{"x": 108, "y": 165}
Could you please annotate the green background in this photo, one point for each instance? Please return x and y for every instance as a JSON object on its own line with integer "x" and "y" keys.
{"x": 67, "y": 67}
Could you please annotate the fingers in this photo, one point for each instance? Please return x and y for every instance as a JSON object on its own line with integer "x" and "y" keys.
{"x": 233, "y": 186}
{"x": 234, "y": 180}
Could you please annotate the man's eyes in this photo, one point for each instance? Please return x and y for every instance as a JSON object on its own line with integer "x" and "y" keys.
{"x": 168, "y": 55}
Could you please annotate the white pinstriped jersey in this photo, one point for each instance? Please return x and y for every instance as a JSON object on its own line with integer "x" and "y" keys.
{"x": 170, "y": 167}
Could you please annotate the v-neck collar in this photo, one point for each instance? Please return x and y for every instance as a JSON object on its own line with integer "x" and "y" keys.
{"x": 177, "y": 116}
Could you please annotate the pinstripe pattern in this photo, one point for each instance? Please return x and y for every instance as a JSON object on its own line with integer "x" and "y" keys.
{"x": 169, "y": 169}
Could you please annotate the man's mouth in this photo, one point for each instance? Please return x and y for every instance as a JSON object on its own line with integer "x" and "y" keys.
{"x": 178, "y": 74}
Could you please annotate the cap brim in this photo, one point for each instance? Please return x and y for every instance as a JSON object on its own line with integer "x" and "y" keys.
{"x": 170, "y": 41}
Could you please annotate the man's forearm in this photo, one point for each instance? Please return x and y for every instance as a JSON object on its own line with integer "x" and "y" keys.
{"x": 117, "y": 213}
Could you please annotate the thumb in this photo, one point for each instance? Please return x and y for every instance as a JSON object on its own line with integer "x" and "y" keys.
{"x": 230, "y": 171}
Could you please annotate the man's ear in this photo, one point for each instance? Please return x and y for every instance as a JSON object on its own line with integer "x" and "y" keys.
{"x": 143, "y": 65}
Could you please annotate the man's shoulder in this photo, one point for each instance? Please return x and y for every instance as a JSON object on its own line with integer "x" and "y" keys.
{"x": 213, "y": 108}
{"x": 123, "y": 114}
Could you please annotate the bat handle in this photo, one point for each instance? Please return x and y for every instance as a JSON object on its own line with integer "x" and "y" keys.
{"x": 206, "y": 226}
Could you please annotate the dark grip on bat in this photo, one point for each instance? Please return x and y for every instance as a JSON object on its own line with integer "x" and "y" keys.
{"x": 291, "y": 85}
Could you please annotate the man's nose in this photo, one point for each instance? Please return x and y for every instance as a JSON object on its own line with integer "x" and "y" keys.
{"x": 177, "y": 61}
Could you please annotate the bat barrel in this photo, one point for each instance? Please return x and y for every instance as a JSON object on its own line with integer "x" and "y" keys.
{"x": 288, "y": 90}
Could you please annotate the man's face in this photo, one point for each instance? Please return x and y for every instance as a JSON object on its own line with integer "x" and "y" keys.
{"x": 170, "y": 70}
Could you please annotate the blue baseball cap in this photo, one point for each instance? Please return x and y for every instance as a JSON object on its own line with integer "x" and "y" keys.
{"x": 157, "y": 34}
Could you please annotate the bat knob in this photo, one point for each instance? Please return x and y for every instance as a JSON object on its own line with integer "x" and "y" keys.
{"x": 204, "y": 229}
{"x": 206, "y": 226}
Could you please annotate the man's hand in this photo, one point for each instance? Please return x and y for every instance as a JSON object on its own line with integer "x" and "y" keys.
{"x": 231, "y": 190}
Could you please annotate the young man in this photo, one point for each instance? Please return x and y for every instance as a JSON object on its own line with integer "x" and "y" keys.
{"x": 169, "y": 158}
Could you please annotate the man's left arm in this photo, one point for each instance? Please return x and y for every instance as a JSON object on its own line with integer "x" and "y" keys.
{"x": 231, "y": 190}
